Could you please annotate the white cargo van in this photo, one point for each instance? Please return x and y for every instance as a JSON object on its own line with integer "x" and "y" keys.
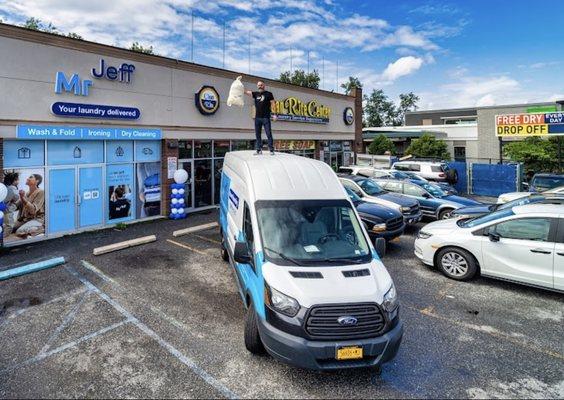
{"x": 316, "y": 292}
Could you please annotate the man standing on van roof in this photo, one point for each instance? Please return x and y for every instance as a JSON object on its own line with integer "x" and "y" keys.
{"x": 264, "y": 102}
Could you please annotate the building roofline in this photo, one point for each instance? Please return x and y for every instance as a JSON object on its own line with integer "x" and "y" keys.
{"x": 547, "y": 103}
{"x": 56, "y": 40}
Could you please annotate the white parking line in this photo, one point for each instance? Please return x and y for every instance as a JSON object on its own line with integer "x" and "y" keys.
{"x": 217, "y": 385}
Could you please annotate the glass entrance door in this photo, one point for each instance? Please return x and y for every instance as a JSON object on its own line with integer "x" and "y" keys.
{"x": 62, "y": 200}
{"x": 90, "y": 197}
{"x": 188, "y": 166}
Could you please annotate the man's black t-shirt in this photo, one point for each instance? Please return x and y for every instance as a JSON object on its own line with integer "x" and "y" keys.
{"x": 119, "y": 208}
{"x": 262, "y": 103}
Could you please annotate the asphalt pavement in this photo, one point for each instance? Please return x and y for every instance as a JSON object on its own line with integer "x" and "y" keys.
{"x": 165, "y": 320}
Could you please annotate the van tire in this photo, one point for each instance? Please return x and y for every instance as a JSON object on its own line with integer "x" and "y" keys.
{"x": 252, "y": 336}
{"x": 224, "y": 253}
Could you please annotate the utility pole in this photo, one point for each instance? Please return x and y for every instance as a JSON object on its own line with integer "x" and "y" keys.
{"x": 308, "y": 62}
{"x": 192, "y": 38}
{"x": 337, "y": 77}
{"x": 291, "y": 62}
{"x": 323, "y": 73}
{"x": 223, "y": 44}
{"x": 249, "y": 52}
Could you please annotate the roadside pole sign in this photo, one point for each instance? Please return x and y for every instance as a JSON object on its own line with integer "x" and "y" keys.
{"x": 540, "y": 124}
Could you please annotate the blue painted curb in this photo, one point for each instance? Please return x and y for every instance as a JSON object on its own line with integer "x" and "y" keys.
{"x": 27, "y": 269}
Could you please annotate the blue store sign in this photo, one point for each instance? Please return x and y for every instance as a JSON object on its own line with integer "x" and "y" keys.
{"x": 94, "y": 111}
{"x": 62, "y": 132}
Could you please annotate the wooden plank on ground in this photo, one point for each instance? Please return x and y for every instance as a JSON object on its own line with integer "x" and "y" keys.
{"x": 193, "y": 229}
{"x": 124, "y": 245}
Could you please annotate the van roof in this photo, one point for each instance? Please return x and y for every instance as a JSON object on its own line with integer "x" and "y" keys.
{"x": 287, "y": 176}
{"x": 542, "y": 208}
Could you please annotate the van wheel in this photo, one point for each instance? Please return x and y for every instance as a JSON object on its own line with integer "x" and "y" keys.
{"x": 224, "y": 253}
{"x": 252, "y": 337}
{"x": 456, "y": 263}
{"x": 445, "y": 214}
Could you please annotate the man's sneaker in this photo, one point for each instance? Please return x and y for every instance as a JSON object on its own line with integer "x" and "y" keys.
{"x": 258, "y": 153}
{"x": 271, "y": 152}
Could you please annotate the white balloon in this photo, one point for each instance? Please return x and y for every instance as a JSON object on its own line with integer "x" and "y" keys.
{"x": 174, "y": 211}
{"x": 1, "y": 215}
{"x": 180, "y": 201}
{"x": 0, "y": 229}
{"x": 174, "y": 201}
{"x": 180, "y": 176}
{"x": 180, "y": 211}
{"x": 180, "y": 191}
{"x": 174, "y": 191}
{"x": 3, "y": 192}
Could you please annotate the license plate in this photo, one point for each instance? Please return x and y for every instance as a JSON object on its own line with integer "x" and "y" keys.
{"x": 349, "y": 353}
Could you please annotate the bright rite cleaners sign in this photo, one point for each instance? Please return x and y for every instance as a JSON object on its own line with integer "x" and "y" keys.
{"x": 294, "y": 110}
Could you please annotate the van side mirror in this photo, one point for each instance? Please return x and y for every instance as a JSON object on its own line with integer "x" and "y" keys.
{"x": 241, "y": 253}
{"x": 380, "y": 246}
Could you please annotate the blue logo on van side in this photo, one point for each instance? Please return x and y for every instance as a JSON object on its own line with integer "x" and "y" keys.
{"x": 234, "y": 199}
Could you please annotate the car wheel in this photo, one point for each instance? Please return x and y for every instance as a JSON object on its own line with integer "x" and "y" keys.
{"x": 252, "y": 337}
{"x": 456, "y": 263}
{"x": 445, "y": 214}
{"x": 224, "y": 253}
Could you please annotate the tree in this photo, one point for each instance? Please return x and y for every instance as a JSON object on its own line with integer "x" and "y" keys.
{"x": 37, "y": 25}
{"x": 380, "y": 145}
{"x": 378, "y": 109}
{"x": 428, "y": 146}
{"x": 408, "y": 102}
{"x": 301, "y": 78}
{"x": 135, "y": 46}
{"x": 75, "y": 36}
{"x": 351, "y": 84}
{"x": 536, "y": 153}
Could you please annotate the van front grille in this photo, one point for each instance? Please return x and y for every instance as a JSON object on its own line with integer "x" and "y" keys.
{"x": 322, "y": 322}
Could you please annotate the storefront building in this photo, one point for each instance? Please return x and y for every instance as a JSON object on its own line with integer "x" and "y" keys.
{"x": 92, "y": 134}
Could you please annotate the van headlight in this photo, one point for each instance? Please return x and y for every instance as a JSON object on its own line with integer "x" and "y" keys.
{"x": 280, "y": 302}
{"x": 390, "y": 302}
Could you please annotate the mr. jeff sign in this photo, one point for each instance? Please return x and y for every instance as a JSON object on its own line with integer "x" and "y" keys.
{"x": 74, "y": 84}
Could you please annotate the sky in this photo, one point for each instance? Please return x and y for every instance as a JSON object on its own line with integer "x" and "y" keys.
{"x": 451, "y": 54}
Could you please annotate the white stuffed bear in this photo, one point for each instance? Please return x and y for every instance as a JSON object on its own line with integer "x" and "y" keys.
{"x": 236, "y": 93}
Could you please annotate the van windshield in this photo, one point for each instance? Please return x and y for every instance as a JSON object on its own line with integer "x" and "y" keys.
{"x": 311, "y": 232}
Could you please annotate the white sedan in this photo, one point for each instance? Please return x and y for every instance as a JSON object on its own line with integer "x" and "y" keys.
{"x": 524, "y": 244}
{"x": 507, "y": 197}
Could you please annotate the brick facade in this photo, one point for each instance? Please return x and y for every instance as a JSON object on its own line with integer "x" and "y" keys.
{"x": 357, "y": 147}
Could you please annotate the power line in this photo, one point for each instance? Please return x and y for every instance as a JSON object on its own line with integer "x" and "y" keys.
{"x": 337, "y": 77}
{"x": 223, "y": 44}
{"x": 192, "y": 38}
{"x": 249, "y": 52}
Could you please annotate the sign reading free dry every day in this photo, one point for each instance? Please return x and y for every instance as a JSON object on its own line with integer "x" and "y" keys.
{"x": 540, "y": 124}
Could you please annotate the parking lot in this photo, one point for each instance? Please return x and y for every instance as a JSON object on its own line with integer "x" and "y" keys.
{"x": 165, "y": 320}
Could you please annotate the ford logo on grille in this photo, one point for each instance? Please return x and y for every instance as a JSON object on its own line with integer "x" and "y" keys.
{"x": 347, "y": 320}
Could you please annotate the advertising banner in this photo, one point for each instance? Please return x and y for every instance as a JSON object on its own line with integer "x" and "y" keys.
{"x": 24, "y": 216}
{"x": 543, "y": 124}
{"x": 62, "y": 203}
{"x": 121, "y": 201}
{"x": 294, "y": 145}
{"x": 64, "y": 132}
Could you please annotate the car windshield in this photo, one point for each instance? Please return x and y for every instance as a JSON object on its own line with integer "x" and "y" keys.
{"x": 354, "y": 197}
{"x": 470, "y": 223}
{"x": 433, "y": 189}
{"x": 547, "y": 182}
{"x": 311, "y": 232}
{"x": 399, "y": 175}
{"x": 370, "y": 187}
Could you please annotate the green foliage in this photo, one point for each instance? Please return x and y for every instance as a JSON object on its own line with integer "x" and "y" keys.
{"x": 408, "y": 102}
{"x": 428, "y": 146}
{"x": 73, "y": 35}
{"x": 380, "y": 145}
{"x": 351, "y": 84}
{"x": 121, "y": 226}
{"x": 301, "y": 78}
{"x": 536, "y": 153}
{"x": 135, "y": 46}
{"x": 379, "y": 110}
{"x": 36, "y": 24}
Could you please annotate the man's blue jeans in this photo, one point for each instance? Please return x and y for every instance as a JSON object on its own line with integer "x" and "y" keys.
{"x": 259, "y": 123}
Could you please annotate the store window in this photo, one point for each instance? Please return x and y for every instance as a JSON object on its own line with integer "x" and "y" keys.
{"x": 460, "y": 154}
{"x": 237, "y": 145}
{"x": 202, "y": 148}
{"x": 203, "y": 183}
{"x": 185, "y": 149}
{"x": 220, "y": 148}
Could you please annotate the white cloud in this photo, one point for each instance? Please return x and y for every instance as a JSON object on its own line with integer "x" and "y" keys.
{"x": 402, "y": 67}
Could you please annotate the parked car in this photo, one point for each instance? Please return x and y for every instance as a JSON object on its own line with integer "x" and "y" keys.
{"x": 524, "y": 244}
{"x": 316, "y": 294}
{"x": 434, "y": 202}
{"x": 478, "y": 211}
{"x": 433, "y": 171}
{"x": 379, "y": 173}
{"x": 380, "y": 221}
{"x": 543, "y": 182}
{"x": 506, "y": 197}
{"x": 370, "y": 191}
